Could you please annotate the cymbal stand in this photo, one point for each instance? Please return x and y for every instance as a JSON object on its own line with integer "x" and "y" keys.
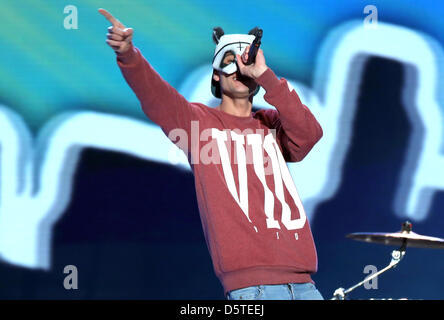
{"x": 397, "y": 255}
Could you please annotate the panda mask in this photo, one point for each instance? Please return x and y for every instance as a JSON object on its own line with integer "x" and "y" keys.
{"x": 232, "y": 43}
{"x": 228, "y": 43}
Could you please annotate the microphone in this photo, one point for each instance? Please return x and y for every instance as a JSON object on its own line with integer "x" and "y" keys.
{"x": 254, "y": 47}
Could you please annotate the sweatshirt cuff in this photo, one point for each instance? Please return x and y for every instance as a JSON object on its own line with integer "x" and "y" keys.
{"x": 268, "y": 80}
{"x": 127, "y": 58}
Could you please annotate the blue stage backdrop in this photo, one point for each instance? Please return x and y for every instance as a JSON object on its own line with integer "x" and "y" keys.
{"x": 86, "y": 180}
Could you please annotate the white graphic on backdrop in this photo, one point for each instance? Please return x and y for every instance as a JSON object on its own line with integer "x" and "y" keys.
{"x": 36, "y": 176}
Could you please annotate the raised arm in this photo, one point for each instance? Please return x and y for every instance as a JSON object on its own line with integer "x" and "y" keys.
{"x": 160, "y": 101}
{"x": 297, "y": 130}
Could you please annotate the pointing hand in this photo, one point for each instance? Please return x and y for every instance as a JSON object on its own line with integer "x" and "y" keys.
{"x": 119, "y": 38}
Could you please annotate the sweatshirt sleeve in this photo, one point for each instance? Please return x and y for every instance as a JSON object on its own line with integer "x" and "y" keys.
{"x": 160, "y": 102}
{"x": 297, "y": 130}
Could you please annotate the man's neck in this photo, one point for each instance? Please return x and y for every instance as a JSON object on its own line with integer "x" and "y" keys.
{"x": 240, "y": 107}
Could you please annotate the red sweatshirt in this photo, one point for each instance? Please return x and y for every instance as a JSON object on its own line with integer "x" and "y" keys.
{"x": 252, "y": 217}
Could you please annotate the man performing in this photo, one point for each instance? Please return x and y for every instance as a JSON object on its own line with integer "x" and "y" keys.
{"x": 253, "y": 220}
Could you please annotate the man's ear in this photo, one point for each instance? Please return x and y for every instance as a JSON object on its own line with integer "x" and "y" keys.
{"x": 216, "y": 76}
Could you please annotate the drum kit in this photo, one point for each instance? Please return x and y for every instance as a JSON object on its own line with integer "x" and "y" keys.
{"x": 404, "y": 238}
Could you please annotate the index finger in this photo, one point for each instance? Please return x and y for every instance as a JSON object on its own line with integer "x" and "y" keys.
{"x": 110, "y": 17}
{"x": 239, "y": 61}
{"x": 246, "y": 53}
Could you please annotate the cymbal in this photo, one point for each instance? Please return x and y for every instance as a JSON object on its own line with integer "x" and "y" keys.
{"x": 411, "y": 238}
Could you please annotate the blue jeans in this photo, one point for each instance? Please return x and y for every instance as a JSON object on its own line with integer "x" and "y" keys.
{"x": 287, "y": 291}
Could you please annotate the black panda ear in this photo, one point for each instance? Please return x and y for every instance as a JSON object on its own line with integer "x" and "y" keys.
{"x": 217, "y": 33}
{"x": 254, "y": 31}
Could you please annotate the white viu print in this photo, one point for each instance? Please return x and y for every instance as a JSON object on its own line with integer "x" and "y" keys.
{"x": 281, "y": 176}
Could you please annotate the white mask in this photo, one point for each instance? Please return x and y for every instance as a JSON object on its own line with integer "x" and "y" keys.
{"x": 235, "y": 43}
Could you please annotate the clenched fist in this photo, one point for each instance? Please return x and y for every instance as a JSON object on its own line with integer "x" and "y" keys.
{"x": 119, "y": 37}
{"x": 254, "y": 70}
